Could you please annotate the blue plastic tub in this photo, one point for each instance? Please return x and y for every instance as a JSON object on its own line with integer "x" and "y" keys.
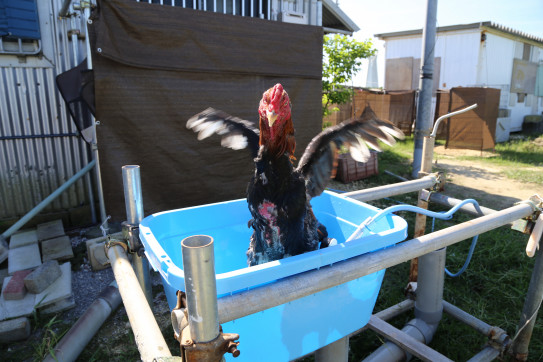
{"x": 290, "y": 330}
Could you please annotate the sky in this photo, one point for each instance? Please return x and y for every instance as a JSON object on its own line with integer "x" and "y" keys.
{"x": 385, "y": 16}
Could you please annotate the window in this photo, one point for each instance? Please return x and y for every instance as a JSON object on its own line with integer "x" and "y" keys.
{"x": 19, "y": 27}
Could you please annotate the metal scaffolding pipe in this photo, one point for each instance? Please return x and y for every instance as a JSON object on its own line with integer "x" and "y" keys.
{"x": 534, "y": 299}
{"x": 424, "y": 117}
{"x": 445, "y": 200}
{"x": 29, "y": 215}
{"x": 77, "y": 338}
{"x": 149, "y": 339}
{"x": 200, "y": 287}
{"x": 467, "y": 319}
{"x": 399, "y": 188}
{"x": 133, "y": 201}
{"x": 410, "y": 339}
{"x": 488, "y": 353}
{"x": 337, "y": 351}
{"x": 288, "y": 289}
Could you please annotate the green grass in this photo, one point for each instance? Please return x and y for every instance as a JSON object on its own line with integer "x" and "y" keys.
{"x": 494, "y": 286}
{"x": 518, "y": 157}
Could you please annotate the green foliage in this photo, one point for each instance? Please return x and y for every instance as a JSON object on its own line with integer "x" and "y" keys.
{"x": 342, "y": 58}
{"x": 53, "y": 331}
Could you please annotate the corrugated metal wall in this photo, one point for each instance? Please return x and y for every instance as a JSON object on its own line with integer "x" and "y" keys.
{"x": 39, "y": 148}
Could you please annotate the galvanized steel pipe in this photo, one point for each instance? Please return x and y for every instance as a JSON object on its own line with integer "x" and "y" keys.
{"x": 283, "y": 291}
{"x": 22, "y": 221}
{"x": 532, "y": 303}
{"x": 148, "y": 336}
{"x": 399, "y": 188}
{"x": 134, "y": 213}
{"x": 133, "y": 200}
{"x": 200, "y": 287}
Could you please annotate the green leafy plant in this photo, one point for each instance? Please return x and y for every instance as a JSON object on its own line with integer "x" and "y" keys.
{"x": 53, "y": 331}
{"x": 342, "y": 58}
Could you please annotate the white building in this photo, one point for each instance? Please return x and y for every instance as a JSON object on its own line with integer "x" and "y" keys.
{"x": 479, "y": 54}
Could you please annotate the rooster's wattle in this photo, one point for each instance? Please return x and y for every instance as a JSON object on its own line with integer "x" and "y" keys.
{"x": 279, "y": 193}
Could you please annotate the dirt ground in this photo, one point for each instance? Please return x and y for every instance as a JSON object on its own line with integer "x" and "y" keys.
{"x": 488, "y": 185}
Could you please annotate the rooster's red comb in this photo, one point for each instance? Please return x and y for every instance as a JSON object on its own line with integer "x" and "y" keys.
{"x": 275, "y": 99}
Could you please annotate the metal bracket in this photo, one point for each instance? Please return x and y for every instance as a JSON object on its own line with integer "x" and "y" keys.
{"x": 112, "y": 242}
{"x": 526, "y": 225}
{"x": 132, "y": 236}
{"x": 191, "y": 351}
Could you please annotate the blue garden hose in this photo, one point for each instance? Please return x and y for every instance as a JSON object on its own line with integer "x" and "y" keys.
{"x": 439, "y": 215}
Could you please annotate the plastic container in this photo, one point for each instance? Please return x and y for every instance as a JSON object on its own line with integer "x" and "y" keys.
{"x": 290, "y": 330}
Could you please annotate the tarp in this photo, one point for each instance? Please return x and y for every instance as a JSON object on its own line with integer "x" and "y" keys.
{"x": 397, "y": 107}
{"x": 156, "y": 66}
{"x": 475, "y": 129}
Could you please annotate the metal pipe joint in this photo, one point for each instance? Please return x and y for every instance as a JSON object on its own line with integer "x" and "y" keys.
{"x": 131, "y": 234}
{"x": 193, "y": 351}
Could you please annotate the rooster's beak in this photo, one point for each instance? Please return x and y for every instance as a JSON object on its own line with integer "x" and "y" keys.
{"x": 272, "y": 117}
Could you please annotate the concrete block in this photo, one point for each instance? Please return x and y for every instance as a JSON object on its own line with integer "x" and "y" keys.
{"x": 42, "y": 277}
{"x": 59, "y": 290}
{"x": 25, "y": 257}
{"x": 16, "y": 308}
{"x": 14, "y": 330}
{"x": 51, "y": 229}
{"x": 58, "y": 249}
{"x": 61, "y": 305}
{"x": 23, "y": 238}
{"x": 15, "y": 290}
{"x": 97, "y": 254}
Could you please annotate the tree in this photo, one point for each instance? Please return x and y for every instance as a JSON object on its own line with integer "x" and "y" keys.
{"x": 342, "y": 58}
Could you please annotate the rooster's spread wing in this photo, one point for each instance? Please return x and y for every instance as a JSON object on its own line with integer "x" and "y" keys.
{"x": 236, "y": 133}
{"x": 318, "y": 160}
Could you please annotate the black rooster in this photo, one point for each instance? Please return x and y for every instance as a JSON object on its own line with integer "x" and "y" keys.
{"x": 279, "y": 193}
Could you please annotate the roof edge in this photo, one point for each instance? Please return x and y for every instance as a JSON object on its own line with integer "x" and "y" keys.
{"x": 483, "y": 25}
{"x": 337, "y": 12}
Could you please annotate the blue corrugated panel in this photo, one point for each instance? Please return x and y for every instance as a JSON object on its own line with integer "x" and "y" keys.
{"x": 19, "y": 19}
{"x": 3, "y": 19}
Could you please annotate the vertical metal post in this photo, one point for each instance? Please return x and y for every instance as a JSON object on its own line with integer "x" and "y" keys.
{"x": 200, "y": 287}
{"x": 94, "y": 144}
{"x": 337, "y": 351}
{"x": 134, "y": 214}
{"x": 423, "y": 123}
{"x": 532, "y": 303}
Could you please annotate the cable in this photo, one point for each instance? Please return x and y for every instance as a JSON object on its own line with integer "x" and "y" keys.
{"x": 359, "y": 232}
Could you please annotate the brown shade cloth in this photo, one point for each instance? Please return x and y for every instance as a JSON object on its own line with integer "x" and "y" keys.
{"x": 397, "y": 107}
{"x": 156, "y": 66}
{"x": 475, "y": 129}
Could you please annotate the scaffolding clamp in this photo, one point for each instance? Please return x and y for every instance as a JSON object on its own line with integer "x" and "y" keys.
{"x": 113, "y": 242}
{"x": 191, "y": 351}
{"x": 131, "y": 233}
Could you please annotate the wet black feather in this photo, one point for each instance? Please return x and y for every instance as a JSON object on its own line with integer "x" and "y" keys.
{"x": 279, "y": 194}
